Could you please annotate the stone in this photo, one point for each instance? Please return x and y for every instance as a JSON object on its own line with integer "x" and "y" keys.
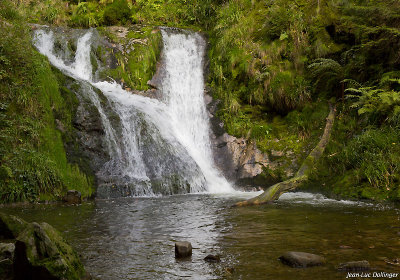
{"x": 11, "y": 226}
{"x": 183, "y": 249}
{"x": 212, "y": 258}
{"x": 355, "y": 266}
{"x": 301, "y": 259}
{"x": 39, "y": 251}
{"x": 6, "y": 260}
{"x": 73, "y": 197}
{"x": 275, "y": 153}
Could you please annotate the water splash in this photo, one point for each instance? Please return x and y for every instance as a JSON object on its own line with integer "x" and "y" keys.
{"x": 161, "y": 146}
{"x": 183, "y": 92}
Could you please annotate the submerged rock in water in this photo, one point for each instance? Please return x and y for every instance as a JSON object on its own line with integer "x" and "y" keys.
{"x": 73, "y": 197}
{"x": 301, "y": 259}
{"x": 355, "y": 266}
{"x": 183, "y": 249}
{"x": 40, "y": 251}
{"x": 212, "y": 258}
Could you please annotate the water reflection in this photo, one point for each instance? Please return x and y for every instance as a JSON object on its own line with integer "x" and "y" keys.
{"x": 134, "y": 238}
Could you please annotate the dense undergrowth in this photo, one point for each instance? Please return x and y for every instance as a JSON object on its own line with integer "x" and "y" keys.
{"x": 274, "y": 64}
{"x": 33, "y": 162}
{"x": 277, "y": 64}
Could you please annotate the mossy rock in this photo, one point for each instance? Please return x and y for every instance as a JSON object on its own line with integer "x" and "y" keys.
{"x": 11, "y": 226}
{"x": 40, "y": 251}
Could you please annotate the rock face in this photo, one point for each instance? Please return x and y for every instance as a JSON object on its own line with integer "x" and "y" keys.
{"x": 355, "y": 266}
{"x": 239, "y": 158}
{"x": 183, "y": 249}
{"x": 73, "y": 197}
{"x": 301, "y": 259}
{"x": 39, "y": 251}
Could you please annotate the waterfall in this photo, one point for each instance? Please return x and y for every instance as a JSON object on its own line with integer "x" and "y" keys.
{"x": 157, "y": 146}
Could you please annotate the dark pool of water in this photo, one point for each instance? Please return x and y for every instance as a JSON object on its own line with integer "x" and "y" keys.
{"x": 134, "y": 238}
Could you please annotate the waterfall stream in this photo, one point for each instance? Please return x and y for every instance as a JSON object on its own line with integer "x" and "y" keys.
{"x": 156, "y": 146}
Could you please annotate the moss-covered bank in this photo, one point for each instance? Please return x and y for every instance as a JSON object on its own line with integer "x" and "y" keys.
{"x": 36, "y": 113}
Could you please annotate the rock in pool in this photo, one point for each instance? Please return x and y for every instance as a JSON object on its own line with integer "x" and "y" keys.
{"x": 183, "y": 249}
{"x": 355, "y": 266}
{"x": 212, "y": 258}
{"x": 72, "y": 197}
{"x": 301, "y": 259}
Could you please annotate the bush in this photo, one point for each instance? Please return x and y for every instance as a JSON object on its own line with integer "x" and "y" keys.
{"x": 117, "y": 12}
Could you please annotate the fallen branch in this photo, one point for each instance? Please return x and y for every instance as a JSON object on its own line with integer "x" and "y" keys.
{"x": 275, "y": 191}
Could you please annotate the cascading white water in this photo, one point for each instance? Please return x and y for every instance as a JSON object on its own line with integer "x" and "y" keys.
{"x": 183, "y": 92}
{"x": 176, "y": 138}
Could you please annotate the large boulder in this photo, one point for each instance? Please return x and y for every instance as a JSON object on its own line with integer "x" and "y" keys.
{"x": 40, "y": 251}
{"x": 6, "y": 260}
{"x": 301, "y": 259}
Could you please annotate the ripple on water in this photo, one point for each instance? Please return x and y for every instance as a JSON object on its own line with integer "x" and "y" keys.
{"x": 134, "y": 238}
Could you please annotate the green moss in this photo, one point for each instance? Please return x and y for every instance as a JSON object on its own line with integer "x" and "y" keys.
{"x": 11, "y": 226}
{"x": 44, "y": 247}
{"x": 137, "y": 63}
{"x": 32, "y": 146}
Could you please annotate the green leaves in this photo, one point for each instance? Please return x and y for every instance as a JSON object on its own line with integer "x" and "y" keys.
{"x": 377, "y": 103}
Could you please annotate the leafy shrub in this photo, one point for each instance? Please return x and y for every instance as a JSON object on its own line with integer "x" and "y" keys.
{"x": 117, "y": 12}
{"x": 378, "y": 104}
{"x": 86, "y": 14}
{"x": 376, "y": 154}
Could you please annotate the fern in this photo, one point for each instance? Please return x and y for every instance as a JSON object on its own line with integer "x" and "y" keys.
{"x": 326, "y": 74}
{"x": 377, "y": 103}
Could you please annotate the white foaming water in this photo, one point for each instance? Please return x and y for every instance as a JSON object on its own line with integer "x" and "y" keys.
{"x": 315, "y": 199}
{"x": 183, "y": 91}
{"x": 180, "y": 123}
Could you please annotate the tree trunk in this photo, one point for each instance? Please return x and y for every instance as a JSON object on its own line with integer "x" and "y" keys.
{"x": 275, "y": 191}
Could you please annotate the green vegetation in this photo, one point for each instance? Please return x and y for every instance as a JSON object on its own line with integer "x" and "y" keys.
{"x": 274, "y": 64}
{"x": 33, "y": 162}
{"x": 137, "y": 62}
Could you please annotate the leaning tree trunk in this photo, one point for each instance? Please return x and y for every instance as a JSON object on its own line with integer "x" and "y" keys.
{"x": 275, "y": 191}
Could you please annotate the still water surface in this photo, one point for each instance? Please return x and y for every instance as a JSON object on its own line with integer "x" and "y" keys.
{"x": 133, "y": 238}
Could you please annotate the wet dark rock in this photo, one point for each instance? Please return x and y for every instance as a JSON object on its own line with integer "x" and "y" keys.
{"x": 183, "y": 249}
{"x": 73, "y": 197}
{"x": 6, "y": 260}
{"x": 212, "y": 258}
{"x": 355, "y": 266}
{"x": 301, "y": 259}
{"x": 40, "y": 252}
